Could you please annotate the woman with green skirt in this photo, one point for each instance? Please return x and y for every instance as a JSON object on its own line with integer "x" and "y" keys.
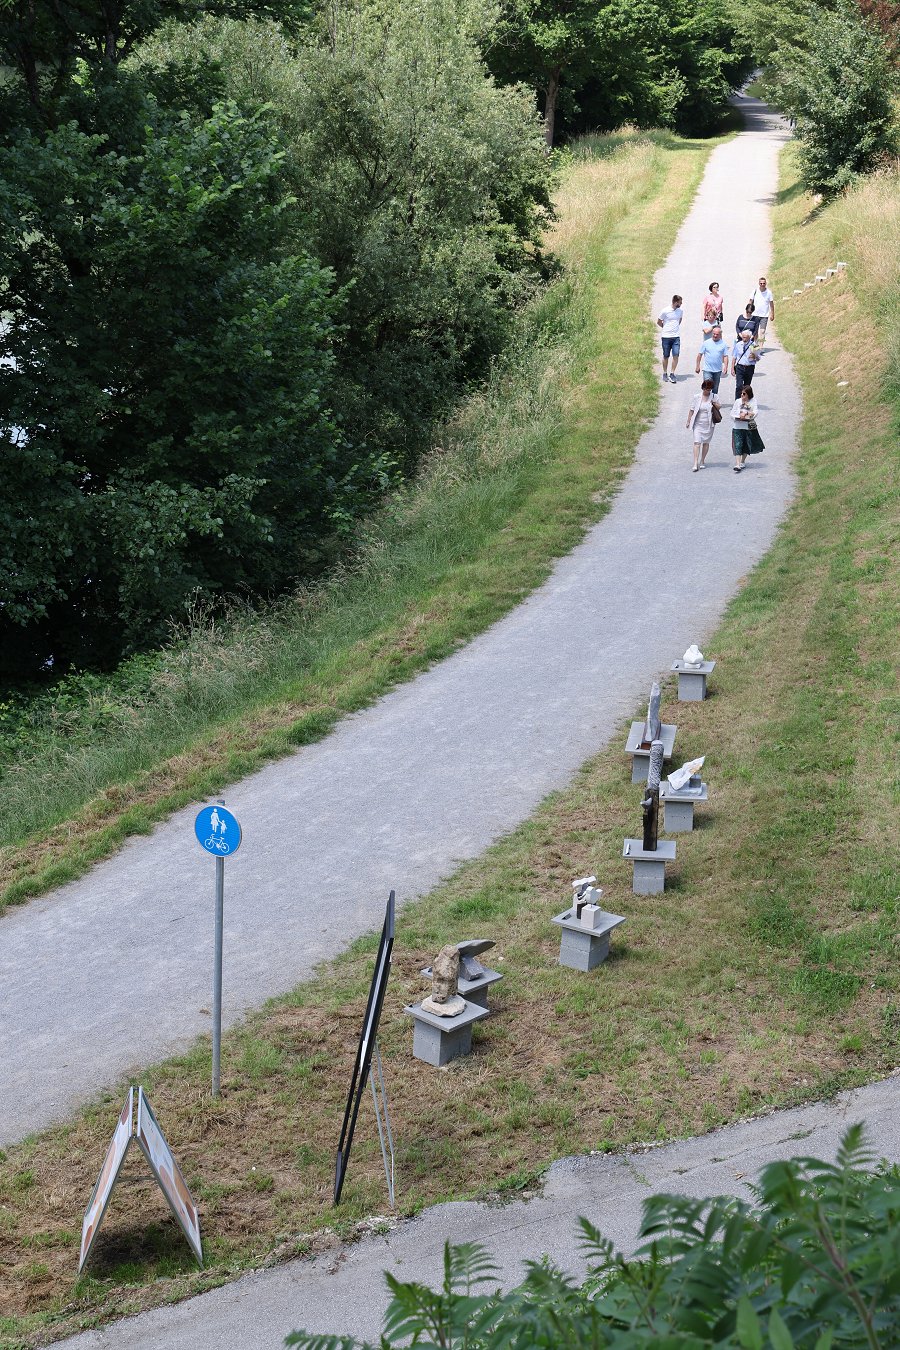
{"x": 745, "y": 437}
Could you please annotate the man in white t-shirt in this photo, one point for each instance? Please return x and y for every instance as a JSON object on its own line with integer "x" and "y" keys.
{"x": 670, "y": 323}
{"x": 763, "y": 308}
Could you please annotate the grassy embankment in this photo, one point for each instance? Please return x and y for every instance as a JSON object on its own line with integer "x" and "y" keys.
{"x": 766, "y": 974}
{"x": 518, "y": 476}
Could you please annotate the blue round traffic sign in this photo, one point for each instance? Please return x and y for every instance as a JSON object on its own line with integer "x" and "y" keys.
{"x": 217, "y": 831}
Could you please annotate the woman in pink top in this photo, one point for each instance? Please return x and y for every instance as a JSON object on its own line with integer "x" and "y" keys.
{"x": 712, "y": 308}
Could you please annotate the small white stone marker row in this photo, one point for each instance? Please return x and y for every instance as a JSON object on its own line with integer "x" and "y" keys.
{"x": 820, "y": 276}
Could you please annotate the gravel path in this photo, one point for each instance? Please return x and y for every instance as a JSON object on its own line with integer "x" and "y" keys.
{"x": 114, "y": 970}
{"x": 342, "y": 1292}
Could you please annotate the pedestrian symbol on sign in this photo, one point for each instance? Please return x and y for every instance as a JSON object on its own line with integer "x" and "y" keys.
{"x": 218, "y": 831}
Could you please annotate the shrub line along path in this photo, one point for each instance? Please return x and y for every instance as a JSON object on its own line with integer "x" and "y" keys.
{"x": 114, "y": 970}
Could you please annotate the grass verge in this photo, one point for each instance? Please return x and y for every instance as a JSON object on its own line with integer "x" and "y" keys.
{"x": 764, "y": 976}
{"x": 529, "y": 463}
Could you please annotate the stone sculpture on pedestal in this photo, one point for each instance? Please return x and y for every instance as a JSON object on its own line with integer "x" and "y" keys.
{"x": 470, "y": 968}
{"x": 652, "y": 724}
{"x": 444, "y": 999}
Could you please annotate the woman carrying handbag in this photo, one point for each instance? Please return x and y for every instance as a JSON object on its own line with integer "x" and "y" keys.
{"x": 703, "y": 416}
{"x": 745, "y": 437}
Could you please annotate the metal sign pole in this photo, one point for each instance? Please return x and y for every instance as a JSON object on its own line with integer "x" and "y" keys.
{"x": 217, "y": 977}
{"x": 218, "y": 833}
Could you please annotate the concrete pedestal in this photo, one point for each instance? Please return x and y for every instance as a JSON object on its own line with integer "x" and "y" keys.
{"x": 640, "y": 755}
{"x": 584, "y": 948}
{"x": 437, "y": 1040}
{"x": 692, "y": 680}
{"x": 474, "y": 991}
{"x": 678, "y": 807}
{"x": 649, "y": 867}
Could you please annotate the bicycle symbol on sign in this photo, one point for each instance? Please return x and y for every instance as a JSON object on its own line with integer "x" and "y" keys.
{"x": 217, "y": 822}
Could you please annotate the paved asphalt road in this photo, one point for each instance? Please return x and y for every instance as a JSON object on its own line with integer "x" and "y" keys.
{"x": 342, "y": 1292}
{"x": 114, "y": 970}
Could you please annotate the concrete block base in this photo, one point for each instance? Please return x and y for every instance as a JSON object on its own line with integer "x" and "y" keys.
{"x": 649, "y": 867}
{"x": 692, "y": 680}
{"x": 649, "y": 878}
{"x": 691, "y": 687}
{"x": 584, "y": 948}
{"x": 439, "y": 1047}
{"x": 678, "y": 817}
{"x": 438, "y": 1040}
{"x": 678, "y": 807}
{"x": 582, "y": 951}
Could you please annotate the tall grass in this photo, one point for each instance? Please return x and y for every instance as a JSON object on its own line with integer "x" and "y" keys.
{"x": 511, "y": 482}
{"x": 867, "y": 225}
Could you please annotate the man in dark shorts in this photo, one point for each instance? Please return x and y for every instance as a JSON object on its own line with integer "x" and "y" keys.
{"x": 670, "y": 323}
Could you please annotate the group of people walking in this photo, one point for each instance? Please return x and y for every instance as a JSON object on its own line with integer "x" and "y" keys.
{"x": 713, "y": 358}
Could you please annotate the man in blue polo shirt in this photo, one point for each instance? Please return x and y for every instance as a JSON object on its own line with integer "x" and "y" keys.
{"x": 714, "y": 355}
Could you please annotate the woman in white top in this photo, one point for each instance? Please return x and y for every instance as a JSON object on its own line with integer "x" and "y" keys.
{"x": 700, "y": 419}
{"x": 745, "y": 437}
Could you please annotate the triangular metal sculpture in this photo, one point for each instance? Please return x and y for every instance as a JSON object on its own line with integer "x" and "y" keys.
{"x": 364, "y": 1069}
{"x": 145, "y": 1129}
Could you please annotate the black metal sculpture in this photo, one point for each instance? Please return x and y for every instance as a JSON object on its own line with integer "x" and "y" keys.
{"x": 650, "y": 802}
{"x": 363, "y": 1063}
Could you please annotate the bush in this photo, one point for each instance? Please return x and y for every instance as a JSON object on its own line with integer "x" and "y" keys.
{"x": 837, "y": 86}
{"x": 814, "y": 1264}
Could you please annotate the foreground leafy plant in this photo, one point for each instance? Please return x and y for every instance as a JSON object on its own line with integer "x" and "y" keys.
{"x": 814, "y": 1262}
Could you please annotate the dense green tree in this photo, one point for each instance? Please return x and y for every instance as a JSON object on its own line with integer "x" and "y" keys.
{"x": 162, "y": 392}
{"x": 419, "y": 182}
{"x": 546, "y": 42}
{"x": 597, "y": 63}
{"x": 165, "y": 344}
{"x": 835, "y": 81}
{"x": 192, "y": 282}
{"x": 769, "y": 26}
{"x": 662, "y": 63}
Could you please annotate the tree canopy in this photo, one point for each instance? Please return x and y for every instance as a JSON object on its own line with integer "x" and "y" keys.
{"x": 829, "y": 66}
{"x": 597, "y": 63}
{"x": 233, "y": 301}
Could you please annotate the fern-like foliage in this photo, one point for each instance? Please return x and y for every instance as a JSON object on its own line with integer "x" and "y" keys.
{"x": 812, "y": 1264}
